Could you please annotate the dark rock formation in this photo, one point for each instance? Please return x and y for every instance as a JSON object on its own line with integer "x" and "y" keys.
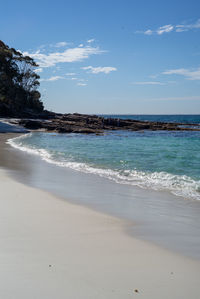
{"x": 31, "y": 124}
{"x": 94, "y": 124}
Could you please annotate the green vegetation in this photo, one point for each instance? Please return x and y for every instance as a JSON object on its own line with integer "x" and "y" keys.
{"x": 18, "y": 84}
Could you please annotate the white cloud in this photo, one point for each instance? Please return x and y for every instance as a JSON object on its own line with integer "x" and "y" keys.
{"x": 60, "y": 44}
{"x": 169, "y": 28}
{"x": 148, "y": 83}
{"x": 69, "y": 55}
{"x": 164, "y": 29}
{"x": 90, "y": 40}
{"x": 53, "y": 78}
{"x": 148, "y": 32}
{"x": 70, "y": 74}
{"x": 99, "y": 69}
{"x": 189, "y": 74}
{"x": 81, "y": 84}
{"x": 186, "y": 27}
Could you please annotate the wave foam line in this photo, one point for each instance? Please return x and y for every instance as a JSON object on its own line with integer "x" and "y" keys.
{"x": 180, "y": 185}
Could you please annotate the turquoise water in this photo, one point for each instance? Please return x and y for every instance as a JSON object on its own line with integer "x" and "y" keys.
{"x": 158, "y": 160}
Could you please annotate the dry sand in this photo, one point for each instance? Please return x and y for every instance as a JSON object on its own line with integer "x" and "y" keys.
{"x": 51, "y": 249}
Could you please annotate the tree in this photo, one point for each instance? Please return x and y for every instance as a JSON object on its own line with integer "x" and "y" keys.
{"x": 18, "y": 82}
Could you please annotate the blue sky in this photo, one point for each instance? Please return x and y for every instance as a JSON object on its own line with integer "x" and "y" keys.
{"x": 127, "y": 57}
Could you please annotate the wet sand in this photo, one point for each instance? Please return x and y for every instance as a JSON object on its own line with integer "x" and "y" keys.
{"x": 52, "y": 249}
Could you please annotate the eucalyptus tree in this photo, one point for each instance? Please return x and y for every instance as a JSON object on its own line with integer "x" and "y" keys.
{"x": 18, "y": 81}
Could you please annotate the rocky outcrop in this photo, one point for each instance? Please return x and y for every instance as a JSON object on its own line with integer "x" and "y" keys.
{"x": 31, "y": 124}
{"x": 94, "y": 124}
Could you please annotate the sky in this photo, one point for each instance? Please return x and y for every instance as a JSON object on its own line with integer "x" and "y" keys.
{"x": 110, "y": 57}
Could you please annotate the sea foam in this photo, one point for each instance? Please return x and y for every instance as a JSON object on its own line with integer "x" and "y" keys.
{"x": 180, "y": 185}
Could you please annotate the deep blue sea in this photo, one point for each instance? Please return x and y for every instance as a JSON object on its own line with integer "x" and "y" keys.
{"x": 158, "y": 160}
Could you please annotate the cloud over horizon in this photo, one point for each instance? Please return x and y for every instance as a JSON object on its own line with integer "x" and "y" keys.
{"x": 188, "y": 98}
{"x": 189, "y": 74}
{"x": 148, "y": 83}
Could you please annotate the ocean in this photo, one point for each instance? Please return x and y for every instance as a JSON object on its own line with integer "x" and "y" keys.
{"x": 158, "y": 160}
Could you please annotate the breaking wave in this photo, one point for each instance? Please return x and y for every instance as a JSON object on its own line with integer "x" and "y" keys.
{"x": 180, "y": 185}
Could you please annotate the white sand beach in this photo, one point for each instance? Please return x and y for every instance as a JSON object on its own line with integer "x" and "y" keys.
{"x": 100, "y": 149}
{"x": 50, "y": 249}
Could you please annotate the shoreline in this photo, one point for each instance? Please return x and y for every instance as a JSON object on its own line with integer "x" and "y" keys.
{"x": 52, "y": 248}
{"x": 157, "y": 221}
{"x": 150, "y": 181}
